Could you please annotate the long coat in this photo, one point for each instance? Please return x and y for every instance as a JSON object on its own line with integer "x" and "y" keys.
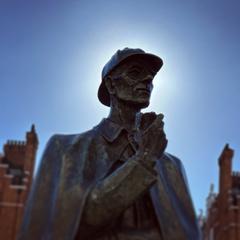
{"x": 72, "y": 164}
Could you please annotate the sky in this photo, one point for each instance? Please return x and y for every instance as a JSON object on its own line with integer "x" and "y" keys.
{"x": 53, "y": 52}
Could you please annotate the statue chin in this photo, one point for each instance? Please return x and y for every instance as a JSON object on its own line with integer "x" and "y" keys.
{"x": 145, "y": 105}
{"x": 139, "y": 104}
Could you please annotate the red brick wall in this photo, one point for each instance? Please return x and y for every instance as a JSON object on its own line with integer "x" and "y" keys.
{"x": 13, "y": 194}
{"x": 223, "y": 217}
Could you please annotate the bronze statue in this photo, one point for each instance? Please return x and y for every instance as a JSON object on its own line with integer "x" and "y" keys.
{"x": 115, "y": 181}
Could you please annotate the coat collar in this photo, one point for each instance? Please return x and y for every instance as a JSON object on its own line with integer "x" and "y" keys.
{"x": 109, "y": 129}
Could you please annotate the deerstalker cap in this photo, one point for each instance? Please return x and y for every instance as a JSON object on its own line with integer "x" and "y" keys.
{"x": 119, "y": 57}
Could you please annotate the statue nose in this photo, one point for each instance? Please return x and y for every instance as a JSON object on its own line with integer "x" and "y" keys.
{"x": 147, "y": 84}
{"x": 147, "y": 79}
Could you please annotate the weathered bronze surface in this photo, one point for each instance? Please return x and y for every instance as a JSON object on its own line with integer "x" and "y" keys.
{"x": 115, "y": 181}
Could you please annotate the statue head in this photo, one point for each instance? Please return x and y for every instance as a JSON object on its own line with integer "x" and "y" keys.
{"x": 128, "y": 77}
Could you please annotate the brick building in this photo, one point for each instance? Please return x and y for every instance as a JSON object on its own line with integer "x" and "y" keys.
{"x": 16, "y": 172}
{"x": 222, "y": 220}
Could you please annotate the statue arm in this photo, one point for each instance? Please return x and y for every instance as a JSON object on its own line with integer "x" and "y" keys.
{"x": 115, "y": 193}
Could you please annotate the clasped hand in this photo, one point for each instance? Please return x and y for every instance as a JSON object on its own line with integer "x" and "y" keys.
{"x": 153, "y": 140}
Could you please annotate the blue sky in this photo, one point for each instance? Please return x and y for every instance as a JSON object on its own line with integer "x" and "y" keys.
{"x": 52, "y": 54}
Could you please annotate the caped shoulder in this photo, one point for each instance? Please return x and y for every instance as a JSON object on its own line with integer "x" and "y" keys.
{"x": 178, "y": 163}
{"x": 173, "y": 159}
{"x": 67, "y": 140}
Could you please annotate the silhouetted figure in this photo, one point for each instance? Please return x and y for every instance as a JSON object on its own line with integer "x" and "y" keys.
{"x": 114, "y": 181}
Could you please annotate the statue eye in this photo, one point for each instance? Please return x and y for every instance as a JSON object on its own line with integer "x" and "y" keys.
{"x": 134, "y": 73}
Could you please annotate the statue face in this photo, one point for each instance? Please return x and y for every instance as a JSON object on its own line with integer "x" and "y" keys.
{"x": 132, "y": 82}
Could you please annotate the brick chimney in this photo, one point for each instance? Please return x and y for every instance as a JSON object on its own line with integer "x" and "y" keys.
{"x": 31, "y": 148}
{"x": 225, "y": 168}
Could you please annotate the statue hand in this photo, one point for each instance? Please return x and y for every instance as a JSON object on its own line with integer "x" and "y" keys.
{"x": 153, "y": 142}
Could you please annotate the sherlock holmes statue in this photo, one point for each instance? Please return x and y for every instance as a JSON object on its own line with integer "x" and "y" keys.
{"x": 115, "y": 181}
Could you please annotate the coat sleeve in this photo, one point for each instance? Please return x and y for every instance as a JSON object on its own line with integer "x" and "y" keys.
{"x": 37, "y": 212}
{"x": 114, "y": 194}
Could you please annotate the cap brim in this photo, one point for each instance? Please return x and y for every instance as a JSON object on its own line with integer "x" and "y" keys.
{"x": 103, "y": 94}
{"x": 156, "y": 63}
